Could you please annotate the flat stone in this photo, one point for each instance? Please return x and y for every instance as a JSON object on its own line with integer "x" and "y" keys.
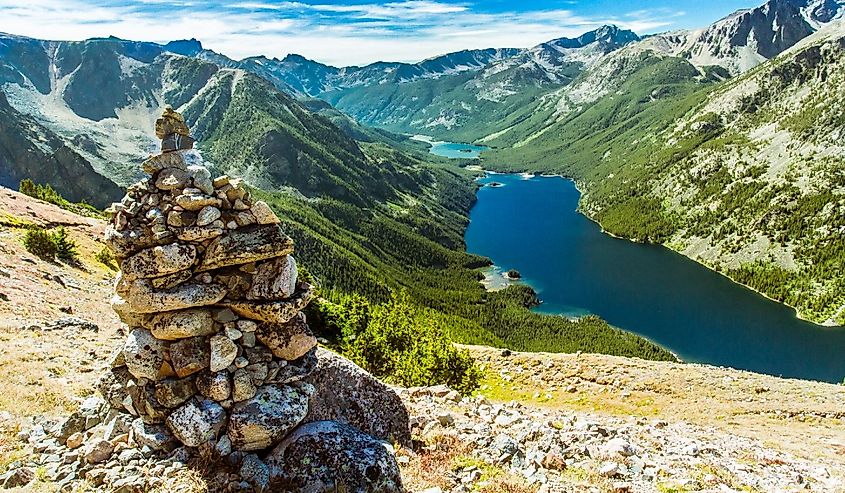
{"x": 197, "y": 233}
{"x": 274, "y": 279}
{"x": 172, "y": 392}
{"x": 189, "y": 356}
{"x": 172, "y": 326}
{"x": 195, "y": 202}
{"x": 143, "y": 298}
{"x": 99, "y": 451}
{"x": 224, "y": 316}
{"x": 275, "y": 410}
{"x": 176, "y": 142}
{"x": 126, "y": 242}
{"x": 246, "y": 245}
{"x": 172, "y": 179}
{"x": 143, "y": 353}
{"x": 181, "y": 219}
{"x": 159, "y": 261}
{"x": 289, "y": 340}
{"x": 171, "y": 281}
{"x": 330, "y": 453}
{"x": 247, "y": 325}
{"x": 127, "y": 315}
{"x": 215, "y": 386}
{"x": 263, "y": 213}
{"x": 223, "y": 352}
{"x": 197, "y": 422}
{"x": 208, "y": 215}
{"x": 274, "y": 311}
{"x": 220, "y": 181}
{"x": 165, "y": 160}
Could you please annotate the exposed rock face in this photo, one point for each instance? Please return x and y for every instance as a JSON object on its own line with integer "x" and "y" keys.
{"x": 218, "y": 354}
{"x": 348, "y": 394}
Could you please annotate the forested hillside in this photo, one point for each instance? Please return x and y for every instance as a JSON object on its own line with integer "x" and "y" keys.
{"x": 370, "y": 216}
{"x": 745, "y": 175}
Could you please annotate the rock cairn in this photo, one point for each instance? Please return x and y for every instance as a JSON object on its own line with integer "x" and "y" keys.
{"x": 219, "y": 361}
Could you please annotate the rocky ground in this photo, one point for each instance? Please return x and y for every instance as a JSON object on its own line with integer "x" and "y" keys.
{"x": 542, "y": 422}
{"x": 562, "y": 423}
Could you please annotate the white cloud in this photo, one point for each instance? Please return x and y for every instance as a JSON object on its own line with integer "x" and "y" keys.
{"x": 339, "y": 34}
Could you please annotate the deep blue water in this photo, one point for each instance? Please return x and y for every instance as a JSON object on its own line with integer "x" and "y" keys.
{"x": 453, "y": 150}
{"x": 532, "y": 226}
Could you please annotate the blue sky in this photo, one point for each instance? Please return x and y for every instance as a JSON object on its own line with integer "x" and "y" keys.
{"x": 352, "y": 31}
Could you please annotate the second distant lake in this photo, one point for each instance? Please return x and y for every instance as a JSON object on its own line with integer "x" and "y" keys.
{"x": 453, "y": 150}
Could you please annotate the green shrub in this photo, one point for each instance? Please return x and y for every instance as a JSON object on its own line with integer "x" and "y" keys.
{"x": 38, "y": 241}
{"x": 106, "y": 257}
{"x": 47, "y": 245}
{"x": 48, "y": 194}
{"x": 399, "y": 342}
{"x": 65, "y": 247}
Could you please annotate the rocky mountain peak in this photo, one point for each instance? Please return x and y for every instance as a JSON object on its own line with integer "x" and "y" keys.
{"x": 187, "y": 47}
{"x": 748, "y": 37}
{"x": 610, "y": 36}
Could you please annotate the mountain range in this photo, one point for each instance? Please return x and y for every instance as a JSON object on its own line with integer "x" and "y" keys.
{"x": 722, "y": 142}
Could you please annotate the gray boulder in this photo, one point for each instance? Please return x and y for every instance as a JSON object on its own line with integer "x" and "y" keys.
{"x": 265, "y": 419}
{"x": 348, "y": 394}
{"x": 329, "y": 456}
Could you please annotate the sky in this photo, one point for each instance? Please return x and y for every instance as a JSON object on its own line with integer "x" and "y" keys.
{"x": 352, "y": 32}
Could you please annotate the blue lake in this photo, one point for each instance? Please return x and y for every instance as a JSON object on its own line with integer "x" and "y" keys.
{"x": 453, "y": 150}
{"x": 532, "y": 225}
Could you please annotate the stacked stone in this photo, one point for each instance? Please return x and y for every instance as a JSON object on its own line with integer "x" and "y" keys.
{"x": 210, "y": 292}
{"x": 218, "y": 349}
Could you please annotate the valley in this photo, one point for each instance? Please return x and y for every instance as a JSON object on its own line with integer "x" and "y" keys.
{"x": 727, "y": 150}
{"x": 610, "y": 262}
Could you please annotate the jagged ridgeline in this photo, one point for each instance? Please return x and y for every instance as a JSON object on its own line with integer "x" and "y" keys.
{"x": 366, "y": 216}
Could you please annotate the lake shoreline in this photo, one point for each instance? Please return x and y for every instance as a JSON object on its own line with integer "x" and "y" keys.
{"x": 797, "y": 312}
{"x": 642, "y": 288}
